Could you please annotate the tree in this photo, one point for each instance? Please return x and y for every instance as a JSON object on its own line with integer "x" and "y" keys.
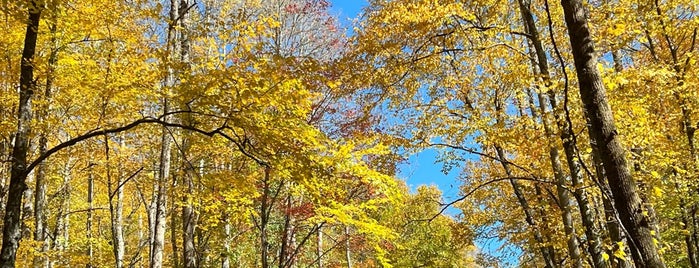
{"x": 603, "y": 129}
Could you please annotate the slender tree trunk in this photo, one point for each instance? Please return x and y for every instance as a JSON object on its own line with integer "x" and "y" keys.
{"x": 348, "y": 252}
{"x": 61, "y": 234}
{"x": 264, "y": 220}
{"x": 566, "y": 135}
{"x": 548, "y": 253}
{"x": 40, "y": 230}
{"x": 319, "y": 246}
{"x": 160, "y": 217}
{"x": 115, "y": 190}
{"x": 27, "y": 207}
{"x": 689, "y": 243}
{"x": 90, "y": 207}
{"x": 188, "y": 214}
{"x": 286, "y": 235}
{"x": 226, "y": 256}
{"x": 564, "y": 199}
{"x": 593, "y": 95}
{"x": 175, "y": 256}
{"x": 18, "y": 173}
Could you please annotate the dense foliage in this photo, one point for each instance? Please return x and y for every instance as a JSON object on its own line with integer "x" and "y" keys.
{"x": 256, "y": 133}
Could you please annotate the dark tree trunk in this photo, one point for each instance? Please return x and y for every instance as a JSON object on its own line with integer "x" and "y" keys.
{"x": 588, "y": 219}
{"x": 603, "y": 129}
{"x": 18, "y": 173}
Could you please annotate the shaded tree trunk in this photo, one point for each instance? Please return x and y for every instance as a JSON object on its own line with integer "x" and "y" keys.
{"x": 566, "y": 135}
{"x": 189, "y": 218}
{"x": 593, "y": 94}
{"x": 264, "y": 220}
{"x": 319, "y": 246}
{"x": 90, "y": 207}
{"x": 18, "y": 173}
{"x": 40, "y": 229}
{"x": 226, "y": 256}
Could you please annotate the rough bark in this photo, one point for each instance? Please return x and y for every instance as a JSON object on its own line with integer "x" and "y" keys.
{"x": 593, "y": 95}
{"x": 18, "y": 175}
{"x": 566, "y": 136}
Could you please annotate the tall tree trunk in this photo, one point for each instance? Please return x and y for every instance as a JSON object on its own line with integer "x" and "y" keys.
{"x": 188, "y": 214}
{"x": 226, "y": 256}
{"x": 90, "y": 207}
{"x": 61, "y": 234}
{"x": 348, "y": 251}
{"x": 115, "y": 190}
{"x": 547, "y": 252}
{"x": 40, "y": 229}
{"x": 160, "y": 217}
{"x": 11, "y": 229}
{"x": 285, "y": 239}
{"x": 689, "y": 243}
{"x": 564, "y": 199}
{"x": 319, "y": 246}
{"x": 593, "y": 95}
{"x": 566, "y": 135}
{"x": 264, "y": 219}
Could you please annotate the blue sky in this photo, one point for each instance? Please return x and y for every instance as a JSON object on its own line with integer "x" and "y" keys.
{"x": 422, "y": 168}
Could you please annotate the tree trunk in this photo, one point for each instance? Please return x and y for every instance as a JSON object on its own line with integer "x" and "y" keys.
{"x": 188, "y": 214}
{"x": 564, "y": 199}
{"x": 160, "y": 217}
{"x": 61, "y": 234}
{"x": 90, "y": 207}
{"x": 40, "y": 229}
{"x": 115, "y": 190}
{"x": 264, "y": 220}
{"x": 226, "y": 256}
{"x": 11, "y": 221}
{"x": 348, "y": 252}
{"x": 547, "y": 252}
{"x": 566, "y": 135}
{"x": 593, "y": 95}
{"x": 319, "y": 246}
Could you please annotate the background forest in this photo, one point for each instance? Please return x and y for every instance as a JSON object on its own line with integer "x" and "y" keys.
{"x": 259, "y": 133}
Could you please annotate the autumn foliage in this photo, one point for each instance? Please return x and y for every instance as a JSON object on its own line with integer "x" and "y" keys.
{"x": 264, "y": 133}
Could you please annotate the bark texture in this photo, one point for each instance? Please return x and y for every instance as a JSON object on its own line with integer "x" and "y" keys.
{"x": 18, "y": 173}
{"x": 593, "y": 94}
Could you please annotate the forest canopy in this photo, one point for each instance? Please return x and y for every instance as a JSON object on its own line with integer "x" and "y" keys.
{"x": 266, "y": 133}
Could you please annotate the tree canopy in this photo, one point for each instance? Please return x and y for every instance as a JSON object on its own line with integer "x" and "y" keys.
{"x": 262, "y": 133}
